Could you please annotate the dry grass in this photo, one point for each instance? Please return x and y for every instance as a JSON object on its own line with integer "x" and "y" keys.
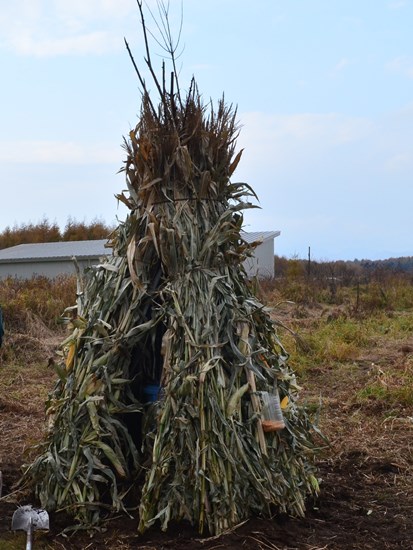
{"x": 367, "y": 471}
{"x": 23, "y": 392}
{"x": 366, "y": 412}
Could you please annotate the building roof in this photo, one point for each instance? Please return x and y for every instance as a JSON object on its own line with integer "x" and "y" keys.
{"x": 253, "y": 236}
{"x": 65, "y": 250}
{"x": 54, "y": 251}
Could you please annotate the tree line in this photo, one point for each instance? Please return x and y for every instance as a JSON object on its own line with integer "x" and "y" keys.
{"x": 347, "y": 272}
{"x": 45, "y": 231}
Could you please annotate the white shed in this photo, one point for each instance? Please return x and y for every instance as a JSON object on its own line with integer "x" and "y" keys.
{"x": 52, "y": 259}
{"x": 261, "y": 264}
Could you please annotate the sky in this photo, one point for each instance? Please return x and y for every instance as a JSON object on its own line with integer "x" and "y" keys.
{"x": 324, "y": 96}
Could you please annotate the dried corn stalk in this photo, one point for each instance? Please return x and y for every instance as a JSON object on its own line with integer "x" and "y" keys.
{"x": 173, "y": 305}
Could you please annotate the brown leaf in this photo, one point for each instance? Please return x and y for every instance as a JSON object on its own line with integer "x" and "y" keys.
{"x": 234, "y": 164}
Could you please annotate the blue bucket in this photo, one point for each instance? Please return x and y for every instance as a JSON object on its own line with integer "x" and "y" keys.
{"x": 151, "y": 393}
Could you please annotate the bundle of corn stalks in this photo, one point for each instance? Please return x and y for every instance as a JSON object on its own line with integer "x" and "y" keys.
{"x": 172, "y": 307}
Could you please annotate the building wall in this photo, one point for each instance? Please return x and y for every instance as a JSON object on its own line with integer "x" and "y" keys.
{"x": 262, "y": 263}
{"x": 51, "y": 269}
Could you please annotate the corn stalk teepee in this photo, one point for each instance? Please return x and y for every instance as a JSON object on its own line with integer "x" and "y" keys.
{"x": 172, "y": 308}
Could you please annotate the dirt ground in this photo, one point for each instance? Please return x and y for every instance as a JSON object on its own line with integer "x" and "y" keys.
{"x": 366, "y": 499}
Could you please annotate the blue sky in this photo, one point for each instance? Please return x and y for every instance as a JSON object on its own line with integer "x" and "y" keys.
{"x": 324, "y": 90}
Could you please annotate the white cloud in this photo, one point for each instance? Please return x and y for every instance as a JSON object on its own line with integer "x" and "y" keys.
{"x": 96, "y": 42}
{"x": 340, "y": 66}
{"x": 57, "y": 27}
{"x": 397, "y": 4}
{"x": 400, "y": 162}
{"x": 93, "y": 9}
{"x": 356, "y": 151}
{"x": 286, "y": 138}
{"x": 335, "y": 127}
{"x": 53, "y": 152}
{"x": 402, "y": 65}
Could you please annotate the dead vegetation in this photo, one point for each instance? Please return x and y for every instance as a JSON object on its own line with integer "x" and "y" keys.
{"x": 366, "y": 499}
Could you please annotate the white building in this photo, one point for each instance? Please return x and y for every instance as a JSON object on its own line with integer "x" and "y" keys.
{"x": 52, "y": 259}
{"x": 262, "y": 262}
